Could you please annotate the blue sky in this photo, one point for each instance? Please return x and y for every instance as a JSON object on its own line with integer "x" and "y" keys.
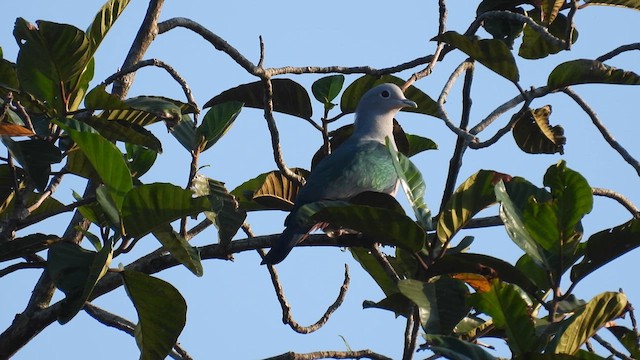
{"x": 233, "y": 312}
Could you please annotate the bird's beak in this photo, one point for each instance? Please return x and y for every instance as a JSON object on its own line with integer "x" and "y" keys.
{"x": 409, "y": 103}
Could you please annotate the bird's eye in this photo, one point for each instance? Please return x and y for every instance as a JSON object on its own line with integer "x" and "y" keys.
{"x": 385, "y": 94}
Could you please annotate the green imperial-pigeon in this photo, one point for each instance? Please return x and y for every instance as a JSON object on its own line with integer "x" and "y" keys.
{"x": 361, "y": 163}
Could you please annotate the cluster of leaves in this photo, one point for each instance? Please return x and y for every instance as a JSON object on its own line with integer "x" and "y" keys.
{"x": 520, "y": 303}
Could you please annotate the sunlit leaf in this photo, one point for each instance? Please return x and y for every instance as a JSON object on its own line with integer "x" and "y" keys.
{"x": 289, "y": 97}
{"x": 472, "y": 196}
{"x": 509, "y": 311}
{"x": 147, "y": 110}
{"x": 268, "y": 191}
{"x": 607, "y": 245}
{"x": 150, "y": 206}
{"x": 179, "y": 248}
{"x": 550, "y": 9}
{"x": 534, "y": 135}
{"x": 216, "y": 122}
{"x": 584, "y": 71}
{"x": 120, "y": 130}
{"x": 352, "y": 94}
{"x": 99, "y": 99}
{"x": 493, "y": 54}
{"x": 162, "y": 313}
{"x": 225, "y": 212}
{"x": 14, "y": 130}
{"x": 587, "y": 321}
{"x": 76, "y": 271}
{"x": 103, "y": 21}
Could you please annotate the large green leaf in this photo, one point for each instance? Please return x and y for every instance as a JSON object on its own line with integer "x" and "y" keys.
{"x": 587, "y": 321}
{"x": 216, "y": 122}
{"x": 372, "y": 266}
{"x": 632, "y": 4}
{"x": 534, "y": 135}
{"x": 441, "y": 303}
{"x": 607, "y": 245}
{"x": 456, "y": 349}
{"x": 225, "y": 212}
{"x": 473, "y": 195}
{"x": 413, "y": 185}
{"x": 509, "y": 311}
{"x": 493, "y": 54}
{"x": 76, "y": 271}
{"x": 179, "y": 248}
{"x": 289, "y": 97}
{"x": 162, "y": 313}
{"x": 147, "y": 110}
{"x": 36, "y": 157}
{"x": 150, "y": 206}
{"x": 52, "y": 61}
{"x": 103, "y": 21}
{"x": 185, "y": 132}
{"x": 584, "y": 71}
{"x": 536, "y": 46}
{"x": 418, "y": 144}
{"x": 352, "y": 94}
{"x": 107, "y": 160}
{"x": 385, "y": 226}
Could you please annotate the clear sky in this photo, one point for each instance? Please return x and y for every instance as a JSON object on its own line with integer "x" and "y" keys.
{"x": 233, "y": 312}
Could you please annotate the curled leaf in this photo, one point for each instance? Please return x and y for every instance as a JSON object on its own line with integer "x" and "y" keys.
{"x": 534, "y": 135}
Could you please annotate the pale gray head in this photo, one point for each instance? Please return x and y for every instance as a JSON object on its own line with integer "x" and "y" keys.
{"x": 376, "y": 110}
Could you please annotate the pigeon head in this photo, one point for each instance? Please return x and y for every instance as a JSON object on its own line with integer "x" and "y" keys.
{"x": 376, "y": 110}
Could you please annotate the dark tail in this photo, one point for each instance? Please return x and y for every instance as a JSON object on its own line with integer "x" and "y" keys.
{"x": 290, "y": 237}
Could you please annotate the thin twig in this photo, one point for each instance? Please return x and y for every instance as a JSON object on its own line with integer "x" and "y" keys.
{"x": 384, "y": 262}
{"x": 603, "y": 130}
{"x": 411, "y": 333}
{"x": 621, "y": 199}
{"x": 506, "y": 129}
{"x": 617, "y": 51}
{"x": 53, "y": 185}
{"x": 508, "y": 15}
{"x": 610, "y": 347}
{"x": 568, "y": 36}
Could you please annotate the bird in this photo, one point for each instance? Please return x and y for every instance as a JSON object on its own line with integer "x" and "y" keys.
{"x": 362, "y": 163}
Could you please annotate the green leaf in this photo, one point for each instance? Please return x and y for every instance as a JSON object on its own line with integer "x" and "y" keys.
{"x": 162, "y": 313}
{"x": 493, "y": 54}
{"x": 103, "y": 21}
{"x": 327, "y": 88}
{"x": 514, "y": 224}
{"x": 23, "y": 246}
{"x": 632, "y": 4}
{"x": 99, "y": 99}
{"x": 584, "y": 71}
{"x": 509, "y": 311}
{"x": 550, "y": 10}
{"x": 418, "y": 144}
{"x": 36, "y": 157}
{"x": 502, "y": 28}
{"x": 413, "y": 186}
{"x": 535, "y": 46}
{"x": 385, "y": 226}
{"x": 185, "y": 132}
{"x": 484, "y": 265}
{"x": 108, "y": 207}
{"x": 147, "y": 110}
{"x": 107, "y": 160}
{"x": 628, "y": 338}
{"x": 52, "y": 61}
{"x": 139, "y": 159}
{"x": 352, "y": 94}
{"x": 372, "y": 266}
{"x": 147, "y": 207}
{"x": 289, "y": 97}
{"x": 441, "y": 303}
{"x": 456, "y": 349}
{"x": 534, "y": 135}
{"x": 76, "y": 271}
{"x": 216, "y": 122}
{"x": 268, "y": 191}
{"x": 396, "y": 302}
{"x": 8, "y": 75}
{"x": 587, "y": 321}
{"x": 472, "y": 196}
{"x": 179, "y": 248}
{"x": 605, "y": 246}
{"x": 226, "y": 214}
{"x": 120, "y": 130}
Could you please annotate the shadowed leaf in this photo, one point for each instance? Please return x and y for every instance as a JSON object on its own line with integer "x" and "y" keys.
{"x": 628, "y": 338}
{"x": 352, "y": 94}
{"x": 289, "y": 97}
{"x": 36, "y": 157}
{"x": 453, "y": 348}
{"x": 536, "y": 46}
{"x": 372, "y": 266}
{"x": 162, "y": 313}
{"x": 493, "y": 54}
{"x": 584, "y": 71}
{"x": 327, "y": 88}
{"x": 534, "y": 135}
{"x": 216, "y": 122}
{"x": 179, "y": 248}
{"x": 121, "y": 130}
{"x": 275, "y": 191}
{"x": 22, "y": 246}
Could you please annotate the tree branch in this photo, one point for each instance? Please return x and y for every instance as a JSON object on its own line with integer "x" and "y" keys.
{"x": 617, "y": 51}
{"x": 621, "y": 199}
{"x": 361, "y": 354}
